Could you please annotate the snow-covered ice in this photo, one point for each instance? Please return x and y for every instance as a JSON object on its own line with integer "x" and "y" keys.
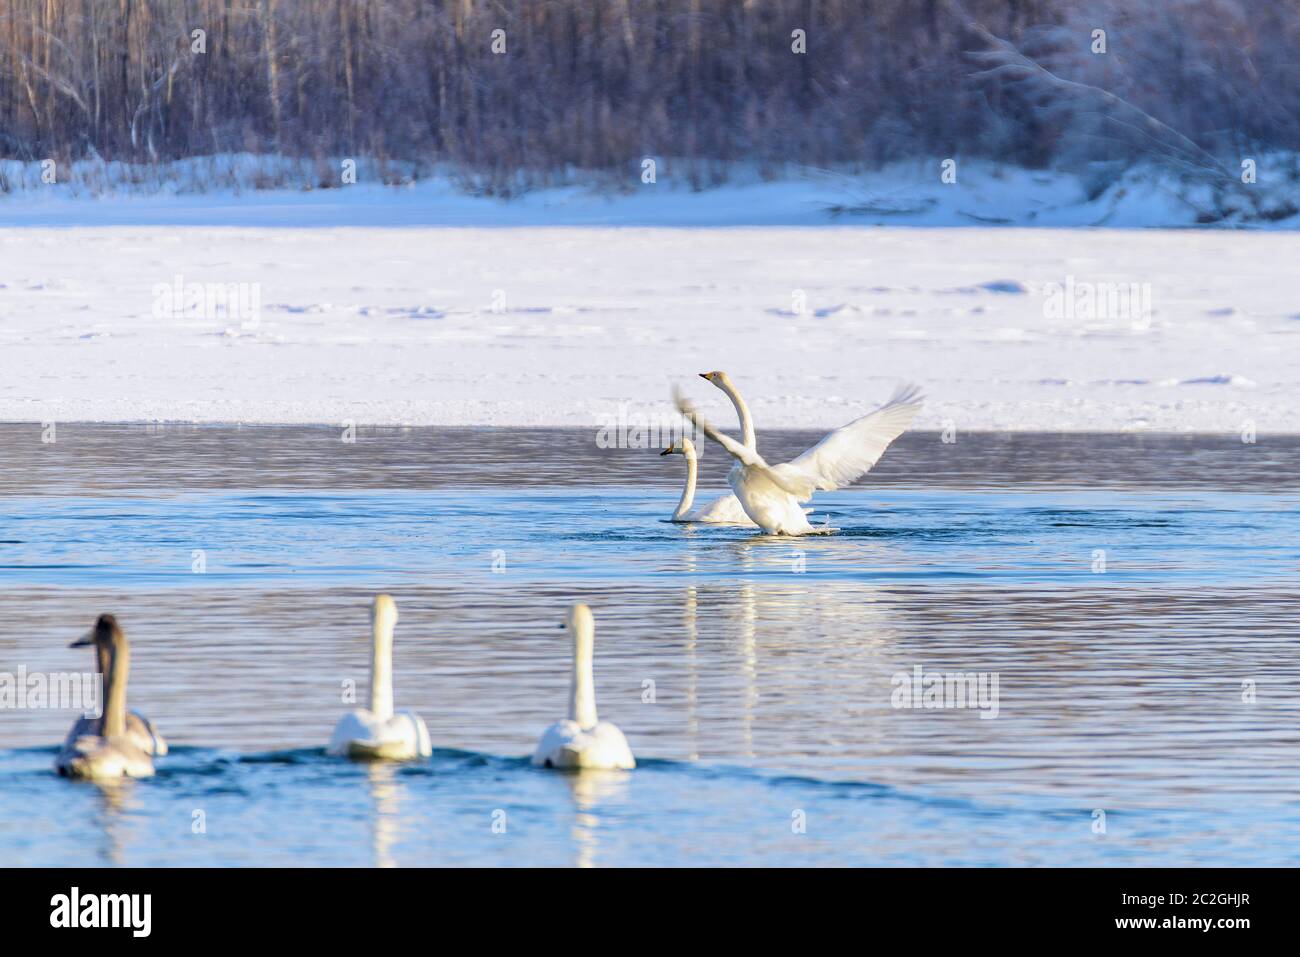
{"x": 566, "y": 326}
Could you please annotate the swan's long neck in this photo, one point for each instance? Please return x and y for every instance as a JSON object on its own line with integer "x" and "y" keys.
{"x": 582, "y": 703}
{"x": 742, "y": 411}
{"x": 381, "y": 669}
{"x": 114, "y": 721}
{"x": 104, "y": 665}
{"x": 688, "y": 493}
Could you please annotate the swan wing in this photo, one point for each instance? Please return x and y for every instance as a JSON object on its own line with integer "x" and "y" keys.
{"x": 139, "y": 731}
{"x": 557, "y": 746}
{"x": 795, "y": 485}
{"x": 848, "y": 453}
{"x": 610, "y": 747}
{"x": 415, "y": 731}
{"x": 82, "y": 727}
{"x": 737, "y": 450}
{"x": 144, "y": 735}
{"x": 354, "y": 727}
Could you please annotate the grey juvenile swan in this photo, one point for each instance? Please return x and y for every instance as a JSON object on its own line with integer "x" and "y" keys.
{"x": 108, "y": 752}
{"x": 139, "y": 729}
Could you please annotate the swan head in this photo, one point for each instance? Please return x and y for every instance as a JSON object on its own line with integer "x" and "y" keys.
{"x": 383, "y": 614}
{"x": 717, "y": 377}
{"x": 682, "y": 446}
{"x": 579, "y": 619}
{"x": 105, "y": 633}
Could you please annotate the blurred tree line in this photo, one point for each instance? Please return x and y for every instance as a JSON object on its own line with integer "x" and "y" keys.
{"x": 599, "y": 84}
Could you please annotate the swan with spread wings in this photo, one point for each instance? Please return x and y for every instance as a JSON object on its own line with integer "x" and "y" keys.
{"x": 771, "y": 495}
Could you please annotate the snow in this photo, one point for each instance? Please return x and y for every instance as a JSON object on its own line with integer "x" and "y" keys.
{"x": 528, "y": 325}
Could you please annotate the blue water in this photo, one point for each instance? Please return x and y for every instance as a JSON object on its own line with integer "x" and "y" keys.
{"x": 383, "y": 538}
{"x": 752, "y": 675}
{"x": 462, "y": 808}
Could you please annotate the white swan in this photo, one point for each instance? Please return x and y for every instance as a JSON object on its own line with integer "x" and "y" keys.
{"x": 139, "y": 729}
{"x": 108, "y": 753}
{"x": 581, "y": 740}
{"x": 723, "y": 510}
{"x": 771, "y": 494}
{"x": 723, "y": 381}
{"x": 378, "y": 733}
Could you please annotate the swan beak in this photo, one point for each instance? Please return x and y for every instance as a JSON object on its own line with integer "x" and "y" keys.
{"x": 87, "y": 639}
{"x": 667, "y": 451}
{"x": 705, "y": 375}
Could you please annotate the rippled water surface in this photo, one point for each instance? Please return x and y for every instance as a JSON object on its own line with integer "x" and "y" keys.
{"x": 1135, "y": 598}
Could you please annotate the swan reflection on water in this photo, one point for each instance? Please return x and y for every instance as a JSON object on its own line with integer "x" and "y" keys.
{"x": 589, "y": 790}
{"x": 116, "y": 800}
{"x": 387, "y": 795}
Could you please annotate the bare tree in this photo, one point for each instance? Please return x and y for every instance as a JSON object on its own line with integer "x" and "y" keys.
{"x": 701, "y": 83}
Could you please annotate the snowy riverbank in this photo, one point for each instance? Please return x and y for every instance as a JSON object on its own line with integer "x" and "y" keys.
{"x": 234, "y": 190}
{"x": 569, "y": 326}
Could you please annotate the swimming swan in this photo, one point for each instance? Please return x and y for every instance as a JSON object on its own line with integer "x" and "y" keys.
{"x": 379, "y": 733}
{"x": 723, "y": 381}
{"x": 771, "y": 494}
{"x": 110, "y": 753}
{"x": 580, "y": 740}
{"x": 139, "y": 730}
{"x": 723, "y": 510}
{"x": 726, "y": 509}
